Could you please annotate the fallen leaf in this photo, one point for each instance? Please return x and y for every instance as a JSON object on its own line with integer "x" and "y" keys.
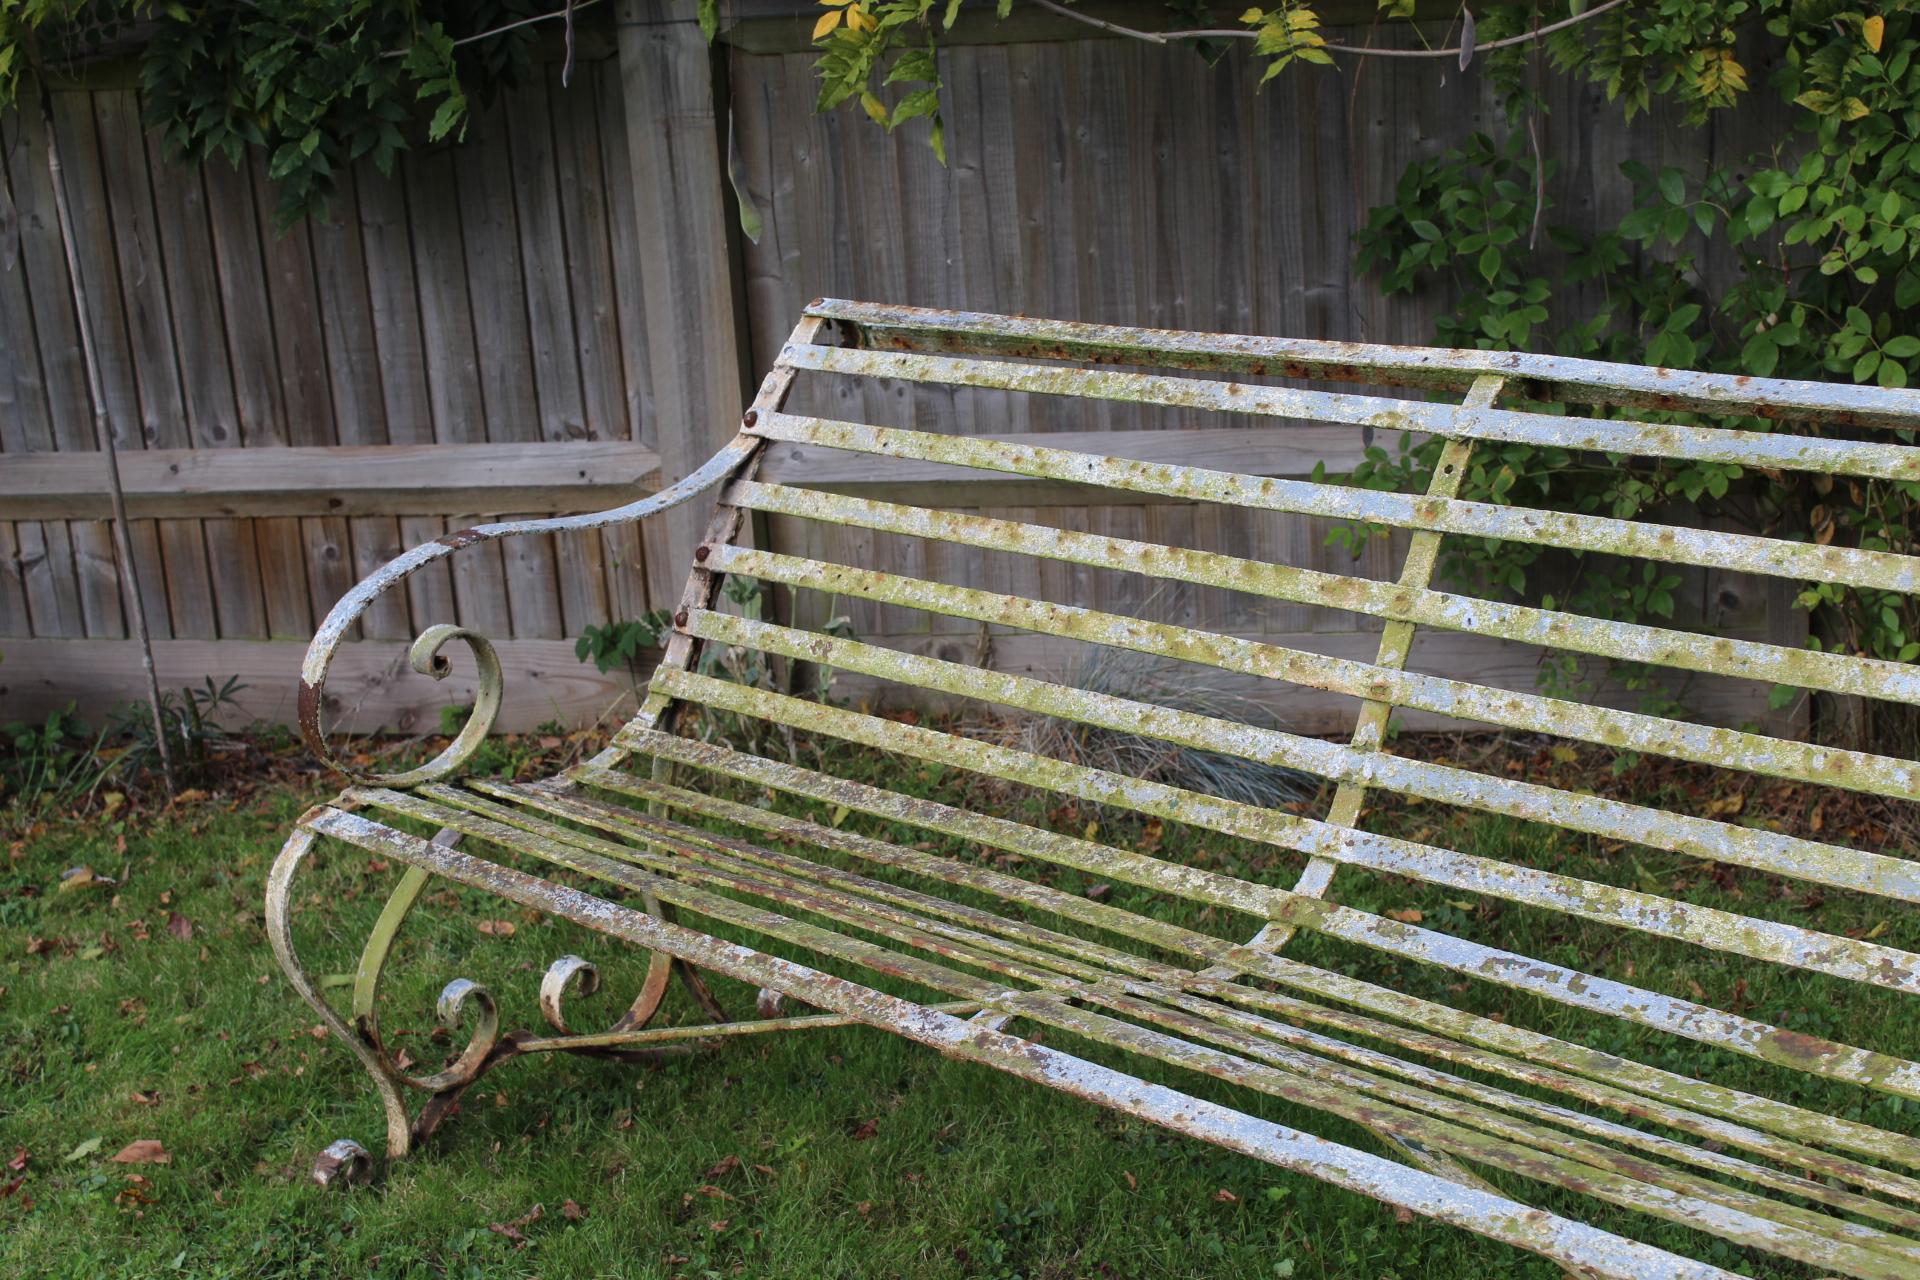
{"x": 864, "y": 1208}
{"x": 1726, "y": 806}
{"x": 571, "y": 1211}
{"x": 866, "y": 1130}
{"x": 1133, "y": 1183}
{"x": 82, "y": 1151}
{"x": 179, "y": 926}
{"x": 512, "y": 1231}
{"x": 723, "y": 1166}
{"x": 496, "y": 928}
{"x": 145, "y": 1099}
{"x": 192, "y": 795}
{"x": 143, "y": 1151}
{"x": 1225, "y": 1196}
{"x": 1099, "y": 892}
{"x": 1407, "y": 915}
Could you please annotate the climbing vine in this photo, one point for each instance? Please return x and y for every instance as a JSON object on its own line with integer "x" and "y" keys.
{"x": 1801, "y": 260}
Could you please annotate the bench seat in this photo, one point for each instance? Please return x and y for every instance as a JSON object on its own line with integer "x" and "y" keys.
{"x": 846, "y": 901}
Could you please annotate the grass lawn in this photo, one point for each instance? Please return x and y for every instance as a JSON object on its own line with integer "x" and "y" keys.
{"x": 151, "y": 1009}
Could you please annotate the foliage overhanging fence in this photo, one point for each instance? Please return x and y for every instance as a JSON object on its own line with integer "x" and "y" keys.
{"x": 576, "y": 272}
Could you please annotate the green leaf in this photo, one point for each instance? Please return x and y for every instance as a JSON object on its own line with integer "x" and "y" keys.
{"x": 1424, "y": 229}
{"x": 1490, "y": 264}
{"x": 708, "y": 13}
{"x": 1673, "y": 185}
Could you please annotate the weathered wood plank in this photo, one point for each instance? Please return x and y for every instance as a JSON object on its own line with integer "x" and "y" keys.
{"x": 97, "y": 566}
{"x": 241, "y": 263}
{"x": 83, "y": 172}
{"x": 239, "y": 600}
{"x": 555, "y": 369}
{"x": 451, "y": 363}
{"x": 346, "y": 312}
{"x": 693, "y": 332}
{"x": 193, "y": 301}
{"x": 592, "y": 283}
{"x": 42, "y": 273}
{"x": 576, "y": 475}
{"x": 283, "y": 578}
{"x": 371, "y": 689}
{"x": 395, "y": 304}
{"x": 143, "y": 276}
{"x": 299, "y": 333}
{"x": 14, "y": 618}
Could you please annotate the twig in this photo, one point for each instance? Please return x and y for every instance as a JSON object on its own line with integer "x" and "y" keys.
{"x": 571, "y": 8}
{"x": 103, "y": 437}
{"x": 1241, "y": 33}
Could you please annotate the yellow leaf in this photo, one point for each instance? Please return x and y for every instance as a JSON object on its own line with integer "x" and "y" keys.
{"x": 1253, "y": 17}
{"x": 840, "y": 813}
{"x": 1873, "y": 31}
{"x": 828, "y": 21}
{"x": 835, "y": 3}
{"x": 860, "y": 20}
{"x": 875, "y": 108}
{"x": 1093, "y": 829}
{"x": 1879, "y": 928}
{"x": 1407, "y": 915}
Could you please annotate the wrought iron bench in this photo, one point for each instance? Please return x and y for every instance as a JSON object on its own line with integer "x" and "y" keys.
{"x": 887, "y": 892}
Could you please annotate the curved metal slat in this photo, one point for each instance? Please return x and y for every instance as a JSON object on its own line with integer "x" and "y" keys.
{"x": 1706, "y": 548}
{"x": 1835, "y": 865}
{"x": 1547, "y": 377}
{"x": 1784, "y": 452}
{"x": 1691, "y": 1020}
{"x": 1758, "y": 939}
{"x": 1458, "y": 699}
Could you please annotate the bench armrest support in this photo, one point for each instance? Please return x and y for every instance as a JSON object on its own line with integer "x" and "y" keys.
{"x": 425, "y": 656}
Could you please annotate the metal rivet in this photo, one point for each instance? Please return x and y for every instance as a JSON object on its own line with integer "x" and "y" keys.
{"x": 680, "y": 618}
{"x": 753, "y": 416}
{"x": 700, "y": 553}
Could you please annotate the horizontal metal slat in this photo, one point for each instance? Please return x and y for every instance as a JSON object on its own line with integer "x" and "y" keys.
{"x": 1785, "y": 451}
{"x": 1827, "y": 766}
{"x": 1553, "y": 982}
{"x": 1552, "y": 377}
{"x": 1758, "y": 939}
{"x": 1708, "y": 548}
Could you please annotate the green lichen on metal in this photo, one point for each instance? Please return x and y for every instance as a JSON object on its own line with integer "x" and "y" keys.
{"x": 662, "y": 825}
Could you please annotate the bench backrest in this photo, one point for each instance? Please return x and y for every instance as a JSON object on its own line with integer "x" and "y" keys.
{"x": 1204, "y": 375}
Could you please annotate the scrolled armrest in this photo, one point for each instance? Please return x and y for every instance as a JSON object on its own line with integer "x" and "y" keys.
{"x": 425, "y": 656}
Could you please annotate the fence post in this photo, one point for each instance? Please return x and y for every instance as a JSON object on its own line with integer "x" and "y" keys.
{"x": 696, "y": 345}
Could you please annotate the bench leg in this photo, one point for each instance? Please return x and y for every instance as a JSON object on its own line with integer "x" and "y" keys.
{"x": 346, "y": 1162}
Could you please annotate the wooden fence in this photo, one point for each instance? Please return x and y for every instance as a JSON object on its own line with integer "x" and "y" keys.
{"x": 567, "y": 298}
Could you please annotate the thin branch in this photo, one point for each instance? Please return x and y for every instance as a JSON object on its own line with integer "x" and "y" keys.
{"x": 1242, "y": 33}
{"x": 567, "y": 11}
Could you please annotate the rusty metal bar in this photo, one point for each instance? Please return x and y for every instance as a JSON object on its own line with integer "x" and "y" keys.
{"x": 1476, "y": 1210}
{"x": 1707, "y": 548}
{"x": 1658, "y": 1091}
{"x": 679, "y": 838}
{"x": 1816, "y": 861}
{"x": 1396, "y": 642}
{"x": 1554, "y": 982}
{"x": 1571, "y": 1163}
{"x": 1543, "y": 377}
{"x": 1785, "y": 452}
{"x": 1533, "y": 713}
{"x": 1792, "y": 945}
{"x": 1629, "y": 642}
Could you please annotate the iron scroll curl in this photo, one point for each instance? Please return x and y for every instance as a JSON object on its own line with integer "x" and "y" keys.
{"x": 426, "y": 655}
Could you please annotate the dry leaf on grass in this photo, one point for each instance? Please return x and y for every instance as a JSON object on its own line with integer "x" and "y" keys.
{"x": 143, "y": 1151}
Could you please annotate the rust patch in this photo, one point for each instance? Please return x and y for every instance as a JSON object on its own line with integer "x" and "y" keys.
{"x": 461, "y": 538}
